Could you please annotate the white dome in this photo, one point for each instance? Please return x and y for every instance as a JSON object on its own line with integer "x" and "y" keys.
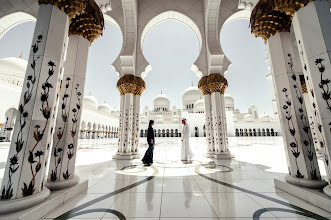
{"x": 104, "y": 108}
{"x": 143, "y": 119}
{"x": 13, "y": 66}
{"x": 161, "y": 101}
{"x": 229, "y": 102}
{"x": 249, "y": 118}
{"x": 199, "y": 106}
{"x": 265, "y": 118}
{"x": 90, "y": 102}
{"x": 159, "y": 119}
{"x": 191, "y": 95}
{"x": 115, "y": 112}
{"x": 175, "y": 119}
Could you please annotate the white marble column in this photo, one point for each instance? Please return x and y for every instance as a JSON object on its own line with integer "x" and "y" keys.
{"x": 299, "y": 146}
{"x": 65, "y": 139}
{"x": 209, "y": 126}
{"x": 135, "y": 128}
{"x": 219, "y": 127}
{"x": 312, "y": 27}
{"x": 28, "y": 154}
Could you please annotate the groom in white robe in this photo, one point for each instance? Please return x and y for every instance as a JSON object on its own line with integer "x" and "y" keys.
{"x": 187, "y": 153}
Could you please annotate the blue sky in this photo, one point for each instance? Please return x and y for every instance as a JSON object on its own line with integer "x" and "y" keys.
{"x": 171, "y": 48}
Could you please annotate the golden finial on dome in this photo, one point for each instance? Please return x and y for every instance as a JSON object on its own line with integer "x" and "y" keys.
{"x": 21, "y": 55}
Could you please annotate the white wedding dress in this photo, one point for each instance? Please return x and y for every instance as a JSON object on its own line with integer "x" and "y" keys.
{"x": 187, "y": 153}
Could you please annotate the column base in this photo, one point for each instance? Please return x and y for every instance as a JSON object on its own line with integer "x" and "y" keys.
{"x": 136, "y": 155}
{"x": 223, "y": 156}
{"x": 327, "y": 190}
{"x": 209, "y": 154}
{"x": 123, "y": 156}
{"x": 12, "y": 205}
{"x": 57, "y": 185}
{"x": 312, "y": 184}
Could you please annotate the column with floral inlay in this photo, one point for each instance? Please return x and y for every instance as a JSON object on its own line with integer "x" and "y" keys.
{"x": 217, "y": 84}
{"x": 298, "y": 141}
{"x": 203, "y": 86}
{"x": 140, "y": 87}
{"x": 23, "y": 181}
{"x": 312, "y": 27}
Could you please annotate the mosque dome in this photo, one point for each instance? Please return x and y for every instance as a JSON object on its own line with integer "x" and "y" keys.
{"x": 191, "y": 95}
{"x": 115, "y": 112}
{"x": 175, "y": 119}
{"x": 90, "y": 102}
{"x": 13, "y": 66}
{"x": 199, "y": 106}
{"x": 159, "y": 119}
{"x": 249, "y": 118}
{"x": 12, "y": 70}
{"x": 265, "y": 118}
{"x": 104, "y": 108}
{"x": 229, "y": 102}
{"x": 162, "y": 101}
{"x": 143, "y": 119}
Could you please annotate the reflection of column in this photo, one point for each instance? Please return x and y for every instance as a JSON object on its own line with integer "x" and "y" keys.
{"x": 313, "y": 34}
{"x": 217, "y": 85}
{"x": 27, "y": 159}
{"x": 128, "y": 85}
{"x": 302, "y": 161}
{"x": 203, "y": 86}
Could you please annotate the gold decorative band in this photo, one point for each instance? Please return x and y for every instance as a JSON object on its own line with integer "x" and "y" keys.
{"x": 131, "y": 84}
{"x": 303, "y": 84}
{"x": 70, "y": 7}
{"x": 213, "y": 83}
{"x": 270, "y": 17}
{"x": 89, "y": 24}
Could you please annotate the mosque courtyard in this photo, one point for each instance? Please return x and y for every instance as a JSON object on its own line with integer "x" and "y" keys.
{"x": 242, "y": 188}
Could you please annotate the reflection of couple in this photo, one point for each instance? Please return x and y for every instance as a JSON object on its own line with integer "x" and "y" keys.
{"x": 186, "y": 152}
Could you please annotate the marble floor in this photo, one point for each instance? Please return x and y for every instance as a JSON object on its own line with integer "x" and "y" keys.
{"x": 242, "y": 188}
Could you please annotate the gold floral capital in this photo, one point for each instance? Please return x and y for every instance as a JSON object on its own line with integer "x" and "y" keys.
{"x": 131, "y": 84}
{"x": 71, "y": 7}
{"x": 89, "y": 23}
{"x": 203, "y": 85}
{"x": 217, "y": 83}
{"x": 270, "y": 17}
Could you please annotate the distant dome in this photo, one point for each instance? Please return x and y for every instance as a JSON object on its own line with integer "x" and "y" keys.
{"x": 104, "y": 108}
{"x": 199, "y": 106}
{"x": 159, "y": 119}
{"x": 191, "y": 95}
{"x": 175, "y": 119}
{"x": 229, "y": 102}
{"x": 249, "y": 118}
{"x": 12, "y": 70}
{"x": 265, "y": 118}
{"x": 90, "y": 102}
{"x": 161, "y": 101}
{"x": 143, "y": 119}
{"x": 115, "y": 112}
{"x": 13, "y": 66}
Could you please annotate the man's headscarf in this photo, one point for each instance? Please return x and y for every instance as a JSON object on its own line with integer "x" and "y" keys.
{"x": 184, "y": 119}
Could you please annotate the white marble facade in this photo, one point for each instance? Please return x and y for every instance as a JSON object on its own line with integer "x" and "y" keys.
{"x": 168, "y": 120}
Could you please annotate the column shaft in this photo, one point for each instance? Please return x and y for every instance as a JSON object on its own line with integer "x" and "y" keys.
{"x": 28, "y": 154}
{"x": 135, "y": 133}
{"x": 209, "y": 126}
{"x": 65, "y": 138}
{"x": 303, "y": 166}
{"x": 312, "y": 26}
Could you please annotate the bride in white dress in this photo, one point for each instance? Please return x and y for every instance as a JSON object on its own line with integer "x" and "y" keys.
{"x": 187, "y": 153}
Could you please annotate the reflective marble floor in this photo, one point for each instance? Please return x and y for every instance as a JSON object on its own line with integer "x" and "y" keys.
{"x": 241, "y": 188}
